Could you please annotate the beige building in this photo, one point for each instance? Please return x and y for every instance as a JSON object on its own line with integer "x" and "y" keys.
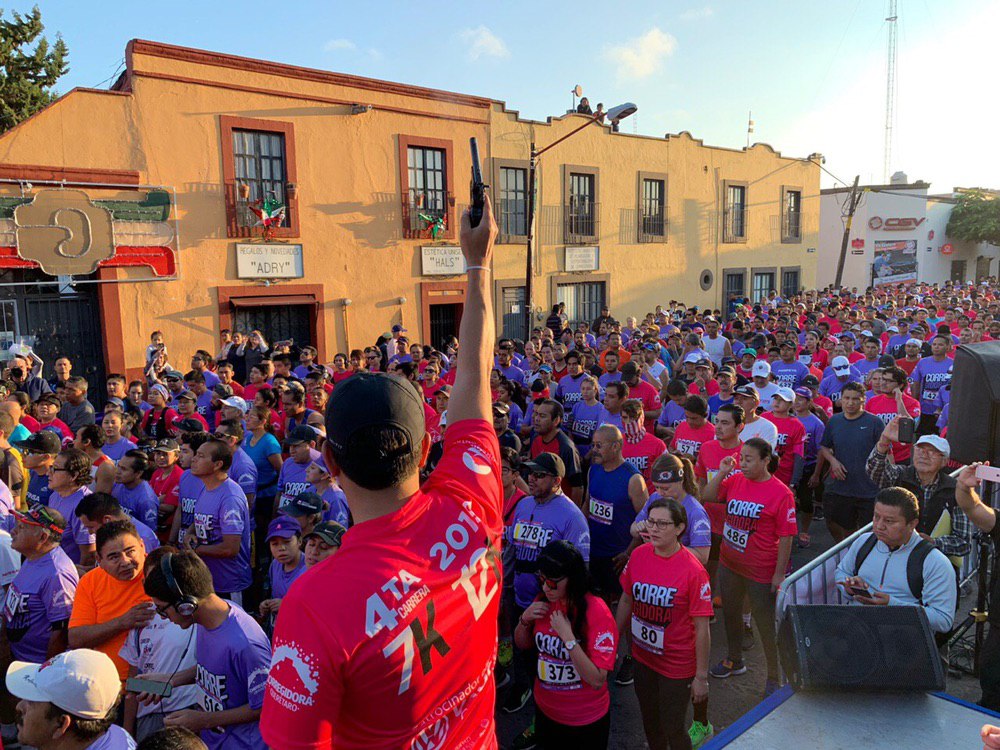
{"x": 374, "y": 176}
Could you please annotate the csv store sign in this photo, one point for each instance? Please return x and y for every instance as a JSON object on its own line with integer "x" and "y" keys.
{"x": 441, "y": 260}
{"x": 268, "y": 261}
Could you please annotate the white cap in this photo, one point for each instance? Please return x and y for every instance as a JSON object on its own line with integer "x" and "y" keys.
{"x": 918, "y": 342}
{"x": 893, "y": 328}
{"x": 785, "y": 394}
{"x": 693, "y": 358}
{"x": 761, "y": 369}
{"x": 936, "y": 442}
{"x": 841, "y": 365}
{"x": 443, "y": 422}
{"x": 236, "y": 402}
{"x": 82, "y": 682}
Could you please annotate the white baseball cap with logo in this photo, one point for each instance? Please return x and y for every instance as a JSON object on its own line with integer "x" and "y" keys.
{"x": 82, "y": 682}
{"x": 761, "y": 369}
{"x": 936, "y": 442}
{"x": 841, "y": 365}
{"x": 785, "y": 394}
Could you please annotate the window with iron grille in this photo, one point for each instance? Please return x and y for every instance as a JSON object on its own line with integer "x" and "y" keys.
{"x": 513, "y": 202}
{"x": 791, "y": 216}
{"x": 763, "y": 285}
{"x": 259, "y": 163}
{"x": 735, "y": 219}
{"x": 789, "y": 282}
{"x": 581, "y": 211}
{"x": 428, "y": 186}
{"x": 652, "y": 210}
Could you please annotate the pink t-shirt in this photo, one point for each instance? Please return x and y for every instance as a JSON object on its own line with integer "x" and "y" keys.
{"x": 560, "y": 692}
{"x": 706, "y": 467}
{"x": 883, "y": 406}
{"x": 392, "y": 642}
{"x": 642, "y": 454}
{"x": 791, "y": 443}
{"x": 688, "y": 440}
{"x": 667, "y": 593}
{"x": 758, "y": 514}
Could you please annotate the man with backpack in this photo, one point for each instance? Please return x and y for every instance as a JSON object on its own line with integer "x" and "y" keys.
{"x": 894, "y": 566}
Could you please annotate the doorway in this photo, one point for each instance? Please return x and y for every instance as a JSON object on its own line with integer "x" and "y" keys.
{"x": 958, "y": 270}
{"x": 445, "y": 320}
{"x": 983, "y": 268}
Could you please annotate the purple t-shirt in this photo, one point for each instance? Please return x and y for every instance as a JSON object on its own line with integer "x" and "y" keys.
{"x": 865, "y": 366}
{"x": 244, "y": 472}
{"x": 930, "y": 375}
{"x": 204, "y": 407}
{"x": 292, "y": 479}
{"x": 140, "y": 502}
{"x": 699, "y": 528}
{"x": 224, "y": 512}
{"x": 788, "y": 374}
{"x": 338, "y": 511}
{"x": 115, "y": 738}
{"x": 609, "y": 377}
{"x": 831, "y": 387}
{"x": 117, "y": 451}
{"x": 281, "y": 579}
{"x": 76, "y": 533}
{"x": 583, "y": 423}
{"x": 189, "y": 489}
{"x": 671, "y": 415}
{"x": 606, "y": 417}
{"x": 211, "y": 379}
{"x": 512, "y": 372}
{"x": 568, "y": 390}
{"x": 41, "y": 594}
{"x": 233, "y": 662}
{"x": 814, "y": 434}
{"x": 532, "y": 526}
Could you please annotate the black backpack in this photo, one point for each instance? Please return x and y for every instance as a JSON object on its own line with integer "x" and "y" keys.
{"x": 914, "y": 564}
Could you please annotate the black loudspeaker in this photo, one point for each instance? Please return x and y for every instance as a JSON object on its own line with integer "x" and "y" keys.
{"x": 974, "y": 413}
{"x": 851, "y": 647}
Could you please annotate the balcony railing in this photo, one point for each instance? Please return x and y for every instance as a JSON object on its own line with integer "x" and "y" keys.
{"x": 421, "y": 211}
{"x": 582, "y": 224}
{"x": 512, "y": 219}
{"x": 791, "y": 226}
{"x": 652, "y": 228}
{"x": 734, "y": 225}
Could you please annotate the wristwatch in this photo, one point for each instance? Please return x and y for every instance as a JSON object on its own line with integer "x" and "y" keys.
{"x": 570, "y": 645}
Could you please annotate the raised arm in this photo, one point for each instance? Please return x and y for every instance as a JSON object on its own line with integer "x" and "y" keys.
{"x": 471, "y": 395}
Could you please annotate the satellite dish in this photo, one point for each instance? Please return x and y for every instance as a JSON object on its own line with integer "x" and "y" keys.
{"x": 578, "y": 90}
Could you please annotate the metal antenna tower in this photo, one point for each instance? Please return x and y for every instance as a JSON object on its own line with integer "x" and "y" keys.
{"x": 890, "y": 90}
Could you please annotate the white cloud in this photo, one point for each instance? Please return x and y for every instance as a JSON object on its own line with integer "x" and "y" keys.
{"x": 481, "y": 42}
{"x": 696, "y": 14}
{"x": 340, "y": 45}
{"x": 642, "y": 56}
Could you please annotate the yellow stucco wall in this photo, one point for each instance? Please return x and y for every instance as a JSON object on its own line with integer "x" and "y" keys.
{"x": 349, "y": 193}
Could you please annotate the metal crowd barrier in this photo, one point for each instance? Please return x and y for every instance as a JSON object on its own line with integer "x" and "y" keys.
{"x": 815, "y": 582}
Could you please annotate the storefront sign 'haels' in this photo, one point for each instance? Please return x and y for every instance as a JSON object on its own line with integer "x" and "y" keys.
{"x": 64, "y": 231}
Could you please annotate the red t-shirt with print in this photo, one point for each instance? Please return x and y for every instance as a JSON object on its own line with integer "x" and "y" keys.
{"x": 758, "y": 515}
{"x": 391, "y": 642}
{"x": 667, "y": 594}
{"x": 791, "y": 443}
{"x": 883, "y": 406}
{"x": 707, "y": 466}
{"x": 688, "y": 440}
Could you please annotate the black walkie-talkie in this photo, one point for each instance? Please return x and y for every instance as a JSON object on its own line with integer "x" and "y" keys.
{"x": 478, "y": 187}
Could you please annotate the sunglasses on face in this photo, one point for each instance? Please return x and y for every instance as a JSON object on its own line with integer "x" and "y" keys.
{"x": 539, "y": 474}
{"x": 548, "y": 582}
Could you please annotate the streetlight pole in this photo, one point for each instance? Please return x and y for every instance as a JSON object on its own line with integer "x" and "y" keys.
{"x": 613, "y": 115}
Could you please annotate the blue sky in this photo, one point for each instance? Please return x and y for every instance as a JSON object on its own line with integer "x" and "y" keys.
{"x": 813, "y": 73}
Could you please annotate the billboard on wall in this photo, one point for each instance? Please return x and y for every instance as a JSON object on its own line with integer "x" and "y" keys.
{"x": 895, "y": 262}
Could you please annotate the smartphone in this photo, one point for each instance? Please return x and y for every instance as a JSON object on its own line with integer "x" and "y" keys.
{"x": 988, "y": 473}
{"x": 855, "y": 591}
{"x": 477, "y": 188}
{"x": 906, "y": 430}
{"x": 153, "y": 687}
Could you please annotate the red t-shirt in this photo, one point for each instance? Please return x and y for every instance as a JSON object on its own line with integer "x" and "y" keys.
{"x": 250, "y": 390}
{"x": 883, "y": 406}
{"x": 511, "y": 503}
{"x": 824, "y": 403}
{"x": 642, "y": 454}
{"x": 650, "y": 398}
{"x": 906, "y": 365}
{"x": 196, "y": 416}
{"x": 559, "y": 690}
{"x": 167, "y": 488}
{"x": 58, "y": 426}
{"x": 706, "y": 467}
{"x": 30, "y": 423}
{"x": 667, "y": 593}
{"x": 711, "y": 389}
{"x": 758, "y": 514}
{"x": 791, "y": 443}
{"x": 391, "y": 642}
{"x": 688, "y": 440}
{"x": 237, "y": 388}
{"x": 338, "y": 376}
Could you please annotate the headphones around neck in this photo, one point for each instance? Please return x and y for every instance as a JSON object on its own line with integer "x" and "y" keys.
{"x": 184, "y": 604}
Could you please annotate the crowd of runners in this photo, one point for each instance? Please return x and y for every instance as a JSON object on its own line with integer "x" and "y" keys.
{"x": 650, "y": 473}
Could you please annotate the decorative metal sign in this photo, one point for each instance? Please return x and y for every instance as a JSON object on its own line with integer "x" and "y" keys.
{"x": 67, "y": 232}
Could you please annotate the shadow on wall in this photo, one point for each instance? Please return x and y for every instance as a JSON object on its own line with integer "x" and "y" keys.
{"x": 694, "y": 220}
{"x": 374, "y": 225}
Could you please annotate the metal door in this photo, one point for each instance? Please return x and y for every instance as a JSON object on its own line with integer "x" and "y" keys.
{"x": 512, "y": 315}
{"x": 444, "y": 322}
{"x": 276, "y": 322}
{"x": 735, "y": 285}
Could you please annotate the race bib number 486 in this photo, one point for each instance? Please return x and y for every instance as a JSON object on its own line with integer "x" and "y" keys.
{"x": 736, "y": 538}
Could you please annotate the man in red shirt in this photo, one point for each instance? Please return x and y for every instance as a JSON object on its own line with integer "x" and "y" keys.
{"x": 892, "y": 402}
{"x": 391, "y": 643}
{"x": 642, "y": 390}
{"x": 694, "y": 430}
{"x": 791, "y": 437}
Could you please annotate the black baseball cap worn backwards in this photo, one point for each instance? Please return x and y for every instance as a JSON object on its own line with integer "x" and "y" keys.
{"x": 368, "y": 399}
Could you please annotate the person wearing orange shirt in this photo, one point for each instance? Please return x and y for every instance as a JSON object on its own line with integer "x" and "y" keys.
{"x": 110, "y": 600}
{"x": 615, "y": 345}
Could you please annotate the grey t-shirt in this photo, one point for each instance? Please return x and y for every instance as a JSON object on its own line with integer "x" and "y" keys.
{"x": 76, "y": 417}
{"x": 851, "y": 441}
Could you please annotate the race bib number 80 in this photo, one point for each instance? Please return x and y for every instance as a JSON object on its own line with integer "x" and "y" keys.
{"x": 647, "y": 635}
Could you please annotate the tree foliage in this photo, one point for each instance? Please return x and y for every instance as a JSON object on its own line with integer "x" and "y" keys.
{"x": 975, "y": 218}
{"x": 29, "y": 67}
